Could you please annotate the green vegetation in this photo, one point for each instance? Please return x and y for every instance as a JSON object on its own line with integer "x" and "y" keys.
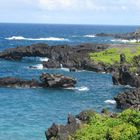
{"x": 112, "y": 56}
{"x": 125, "y": 126}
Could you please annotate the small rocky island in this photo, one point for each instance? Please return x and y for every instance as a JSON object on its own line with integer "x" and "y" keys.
{"x": 127, "y": 36}
{"x": 46, "y": 81}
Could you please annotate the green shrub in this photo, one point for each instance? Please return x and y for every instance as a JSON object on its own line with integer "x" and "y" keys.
{"x": 124, "y": 127}
{"x": 123, "y": 132}
{"x": 131, "y": 116}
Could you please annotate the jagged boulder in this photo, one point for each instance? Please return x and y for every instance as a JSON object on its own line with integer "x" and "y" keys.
{"x": 127, "y": 99}
{"x": 63, "y": 132}
{"x": 123, "y": 76}
{"x": 85, "y": 115}
{"x": 51, "y": 64}
{"x": 57, "y": 80}
{"x": 128, "y": 78}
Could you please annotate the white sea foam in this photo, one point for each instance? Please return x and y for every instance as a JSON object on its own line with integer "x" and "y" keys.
{"x": 36, "y": 39}
{"x": 83, "y": 88}
{"x": 90, "y": 36}
{"x": 125, "y": 40}
{"x": 110, "y": 102}
{"x": 65, "y": 69}
{"x": 128, "y": 86}
{"x": 44, "y": 59}
{"x": 38, "y": 66}
{"x": 15, "y": 38}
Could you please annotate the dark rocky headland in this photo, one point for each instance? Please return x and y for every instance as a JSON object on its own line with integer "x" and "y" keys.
{"x": 128, "y": 36}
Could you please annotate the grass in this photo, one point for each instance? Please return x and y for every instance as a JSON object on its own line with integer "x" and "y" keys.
{"x": 112, "y": 56}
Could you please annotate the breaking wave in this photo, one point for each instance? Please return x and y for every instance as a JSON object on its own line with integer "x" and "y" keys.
{"x": 125, "y": 40}
{"x": 83, "y": 88}
{"x": 65, "y": 69}
{"x": 36, "y": 39}
{"x": 44, "y": 59}
{"x": 89, "y": 36}
{"x": 110, "y": 102}
{"x": 38, "y": 67}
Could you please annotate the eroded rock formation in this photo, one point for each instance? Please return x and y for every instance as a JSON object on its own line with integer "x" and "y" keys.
{"x": 63, "y": 55}
{"x": 46, "y": 81}
{"x": 64, "y": 132}
{"x": 129, "y": 98}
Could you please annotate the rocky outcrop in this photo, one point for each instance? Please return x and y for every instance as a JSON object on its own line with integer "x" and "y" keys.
{"x": 59, "y": 56}
{"x": 136, "y": 107}
{"x": 128, "y": 78}
{"x": 105, "y": 35}
{"x": 85, "y": 115}
{"x": 61, "y": 132}
{"x": 127, "y": 99}
{"x": 128, "y": 36}
{"x": 123, "y": 76}
{"x": 58, "y": 52}
{"x": 56, "y": 80}
{"x": 72, "y": 57}
{"x": 67, "y": 132}
{"x": 64, "y": 132}
{"x": 46, "y": 81}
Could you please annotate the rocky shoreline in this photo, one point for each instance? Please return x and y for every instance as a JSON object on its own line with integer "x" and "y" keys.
{"x": 74, "y": 58}
{"x": 77, "y": 126}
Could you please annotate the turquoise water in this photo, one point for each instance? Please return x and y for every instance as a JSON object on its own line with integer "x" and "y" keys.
{"x": 25, "y": 114}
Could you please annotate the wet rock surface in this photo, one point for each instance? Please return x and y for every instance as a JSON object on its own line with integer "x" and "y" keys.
{"x": 57, "y": 80}
{"x": 75, "y": 57}
{"x": 124, "y": 76}
{"x": 128, "y": 36}
{"x": 129, "y": 98}
{"x": 72, "y": 57}
{"x": 63, "y": 132}
{"x": 46, "y": 81}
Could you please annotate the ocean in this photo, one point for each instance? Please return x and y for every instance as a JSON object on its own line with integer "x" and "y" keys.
{"x": 26, "y": 113}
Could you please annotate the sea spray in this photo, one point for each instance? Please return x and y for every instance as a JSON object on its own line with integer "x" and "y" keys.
{"x": 36, "y": 39}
